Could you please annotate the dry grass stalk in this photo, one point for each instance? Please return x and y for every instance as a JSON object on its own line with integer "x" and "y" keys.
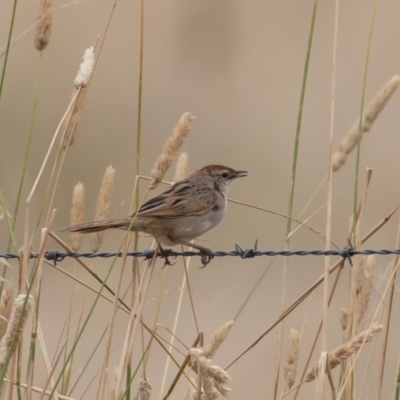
{"x": 216, "y": 340}
{"x": 77, "y": 209}
{"x": 190, "y": 393}
{"x": 370, "y": 114}
{"x": 81, "y": 82}
{"x": 360, "y": 277}
{"x": 134, "y": 321}
{"x": 5, "y": 263}
{"x": 145, "y": 391}
{"x": 321, "y": 369}
{"x": 86, "y": 68}
{"x": 3, "y": 213}
{"x": 43, "y": 24}
{"x": 346, "y": 350}
{"x": 370, "y": 267}
{"x": 15, "y": 327}
{"x": 6, "y": 301}
{"x": 110, "y": 331}
{"x": 170, "y": 148}
{"x": 112, "y": 391}
{"x": 366, "y": 277}
{"x": 216, "y": 375}
{"x": 103, "y": 206}
{"x": 37, "y": 389}
{"x": 344, "y": 318}
{"x": 181, "y": 167}
{"x": 66, "y": 377}
{"x": 70, "y": 124}
{"x": 57, "y": 163}
{"x": 351, "y": 221}
{"x": 387, "y": 313}
{"x": 50, "y": 366}
{"x": 182, "y": 291}
{"x": 292, "y": 358}
{"x": 357, "y": 260}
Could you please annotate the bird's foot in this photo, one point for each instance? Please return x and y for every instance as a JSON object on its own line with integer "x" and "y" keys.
{"x": 206, "y": 257}
{"x": 165, "y": 253}
{"x": 205, "y": 254}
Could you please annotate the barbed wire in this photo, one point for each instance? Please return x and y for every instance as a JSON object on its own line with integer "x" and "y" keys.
{"x": 346, "y": 253}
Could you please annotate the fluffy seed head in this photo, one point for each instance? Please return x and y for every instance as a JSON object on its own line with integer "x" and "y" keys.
{"x": 103, "y": 206}
{"x": 216, "y": 340}
{"x": 145, "y": 389}
{"x": 15, "y": 327}
{"x": 371, "y": 112}
{"x": 292, "y": 357}
{"x": 219, "y": 377}
{"x": 6, "y": 301}
{"x": 86, "y": 68}
{"x": 364, "y": 287}
{"x": 181, "y": 167}
{"x": 344, "y": 351}
{"x": 170, "y": 148}
{"x": 210, "y": 392}
{"x": 77, "y": 210}
{"x": 43, "y": 24}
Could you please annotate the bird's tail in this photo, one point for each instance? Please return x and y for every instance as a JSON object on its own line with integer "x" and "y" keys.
{"x": 97, "y": 226}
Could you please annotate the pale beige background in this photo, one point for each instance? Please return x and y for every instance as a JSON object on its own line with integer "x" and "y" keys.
{"x": 238, "y": 66}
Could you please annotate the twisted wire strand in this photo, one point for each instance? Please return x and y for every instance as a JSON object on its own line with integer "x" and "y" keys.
{"x": 345, "y": 253}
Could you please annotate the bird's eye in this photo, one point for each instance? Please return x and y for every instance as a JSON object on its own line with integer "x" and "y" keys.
{"x": 225, "y": 175}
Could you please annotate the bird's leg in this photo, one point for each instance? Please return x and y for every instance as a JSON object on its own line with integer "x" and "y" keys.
{"x": 206, "y": 255}
{"x": 164, "y": 253}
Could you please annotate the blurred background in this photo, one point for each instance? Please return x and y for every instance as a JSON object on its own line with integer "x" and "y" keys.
{"x": 238, "y": 66}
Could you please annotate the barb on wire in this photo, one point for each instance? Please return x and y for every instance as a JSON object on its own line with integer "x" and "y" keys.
{"x": 346, "y": 253}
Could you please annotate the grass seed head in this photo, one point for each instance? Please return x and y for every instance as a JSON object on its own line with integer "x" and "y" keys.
{"x": 292, "y": 357}
{"x": 364, "y": 287}
{"x": 77, "y": 211}
{"x": 86, "y": 68}
{"x": 216, "y": 340}
{"x": 181, "y": 167}
{"x": 43, "y": 24}
{"x": 18, "y": 317}
{"x": 170, "y": 148}
{"x": 103, "y": 206}
{"x": 344, "y": 351}
{"x": 370, "y": 114}
{"x": 145, "y": 390}
{"x": 6, "y": 301}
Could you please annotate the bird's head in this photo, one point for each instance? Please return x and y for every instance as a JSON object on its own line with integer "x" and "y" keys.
{"x": 223, "y": 176}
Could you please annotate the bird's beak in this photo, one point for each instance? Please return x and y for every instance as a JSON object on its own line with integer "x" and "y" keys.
{"x": 241, "y": 174}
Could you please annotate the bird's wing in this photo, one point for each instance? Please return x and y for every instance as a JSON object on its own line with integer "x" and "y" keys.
{"x": 180, "y": 203}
